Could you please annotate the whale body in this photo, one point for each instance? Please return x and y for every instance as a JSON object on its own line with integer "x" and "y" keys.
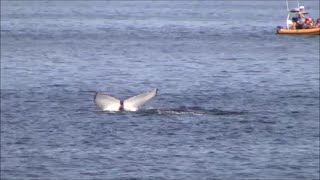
{"x": 109, "y": 103}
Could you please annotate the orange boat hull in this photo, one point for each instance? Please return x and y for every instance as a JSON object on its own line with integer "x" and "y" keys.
{"x": 313, "y": 31}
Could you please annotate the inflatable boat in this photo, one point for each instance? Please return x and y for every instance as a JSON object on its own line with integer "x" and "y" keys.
{"x": 312, "y": 31}
{"x": 297, "y": 16}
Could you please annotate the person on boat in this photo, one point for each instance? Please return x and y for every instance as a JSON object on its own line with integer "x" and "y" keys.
{"x": 301, "y": 13}
{"x": 302, "y": 16}
{"x": 318, "y": 23}
{"x": 293, "y": 23}
{"x": 297, "y": 24}
{"x": 308, "y": 24}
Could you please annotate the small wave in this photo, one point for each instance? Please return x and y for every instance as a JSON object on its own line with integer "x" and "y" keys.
{"x": 194, "y": 111}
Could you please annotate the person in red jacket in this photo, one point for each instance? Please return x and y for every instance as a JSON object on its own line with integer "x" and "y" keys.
{"x": 308, "y": 24}
{"x": 318, "y": 23}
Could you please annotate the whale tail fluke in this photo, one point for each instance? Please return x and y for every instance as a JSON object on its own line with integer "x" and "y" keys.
{"x": 109, "y": 103}
{"x": 106, "y": 102}
{"x": 133, "y": 103}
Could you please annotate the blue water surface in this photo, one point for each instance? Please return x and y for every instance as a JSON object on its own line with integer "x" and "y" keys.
{"x": 236, "y": 100}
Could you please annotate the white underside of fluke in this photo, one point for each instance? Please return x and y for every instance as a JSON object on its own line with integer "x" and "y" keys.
{"x": 109, "y": 103}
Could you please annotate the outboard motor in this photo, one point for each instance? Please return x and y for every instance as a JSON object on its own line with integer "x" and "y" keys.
{"x": 278, "y": 28}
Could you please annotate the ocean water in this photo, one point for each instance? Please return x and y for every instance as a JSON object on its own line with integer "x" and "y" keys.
{"x": 236, "y": 101}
